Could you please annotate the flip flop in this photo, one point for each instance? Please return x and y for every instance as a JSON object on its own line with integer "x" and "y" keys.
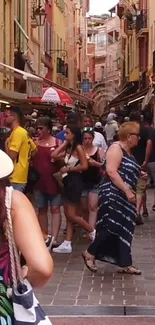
{"x": 90, "y": 264}
{"x": 130, "y": 270}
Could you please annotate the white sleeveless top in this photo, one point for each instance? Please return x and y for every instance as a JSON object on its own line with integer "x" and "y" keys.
{"x": 70, "y": 161}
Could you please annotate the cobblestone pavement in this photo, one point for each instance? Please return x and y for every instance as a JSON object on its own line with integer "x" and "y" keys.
{"x": 72, "y": 285}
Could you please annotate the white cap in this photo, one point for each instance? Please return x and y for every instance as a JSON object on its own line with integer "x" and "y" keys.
{"x": 55, "y": 128}
{"x": 98, "y": 125}
{"x": 6, "y": 165}
{"x": 34, "y": 114}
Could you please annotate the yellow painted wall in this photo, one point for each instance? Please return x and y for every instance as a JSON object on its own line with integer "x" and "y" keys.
{"x": 151, "y": 34}
{"x": 59, "y": 33}
{"x": 133, "y": 52}
{"x": 6, "y": 41}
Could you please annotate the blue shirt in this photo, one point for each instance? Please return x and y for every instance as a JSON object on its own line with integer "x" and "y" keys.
{"x": 61, "y": 136}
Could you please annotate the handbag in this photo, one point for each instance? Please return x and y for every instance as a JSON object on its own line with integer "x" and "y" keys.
{"x": 59, "y": 179}
{"x": 26, "y": 307}
{"x": 33, "y": 178}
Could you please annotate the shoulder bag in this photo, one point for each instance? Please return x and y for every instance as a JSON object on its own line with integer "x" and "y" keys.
{"x": 26, "y": 307}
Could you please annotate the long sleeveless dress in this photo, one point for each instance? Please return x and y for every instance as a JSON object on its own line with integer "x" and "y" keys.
{"x": 116, "y": 217}
{"x": 6, "y": 310}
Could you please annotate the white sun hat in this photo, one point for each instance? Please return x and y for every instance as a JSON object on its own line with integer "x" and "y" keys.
{"x": 6, "y": 165}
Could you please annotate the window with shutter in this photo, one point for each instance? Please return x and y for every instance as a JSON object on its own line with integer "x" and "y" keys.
{"x": 48, "y": 39}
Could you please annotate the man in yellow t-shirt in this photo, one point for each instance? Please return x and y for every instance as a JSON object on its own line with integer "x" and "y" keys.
{"x": 20, "y": 149}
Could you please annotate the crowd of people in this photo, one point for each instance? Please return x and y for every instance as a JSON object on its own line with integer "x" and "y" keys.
{"x": 99, "y": 174}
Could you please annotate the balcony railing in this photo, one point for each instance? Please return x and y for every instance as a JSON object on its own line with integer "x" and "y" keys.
{"x": 142, "y": 20}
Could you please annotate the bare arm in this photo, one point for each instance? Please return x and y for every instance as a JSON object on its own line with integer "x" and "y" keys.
{"x": 101, "y": 156}
{"x": 148, "y": 152}
{"x": 12, "y": 154}
{"x": 59, "y": 152}
{"x": 29, "y": 240}
{"x": 83, "y": 161}
{"x": 113, "y": 161}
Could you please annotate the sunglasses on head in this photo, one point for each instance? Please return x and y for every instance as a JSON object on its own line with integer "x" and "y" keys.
{"x": 89, "y": 129}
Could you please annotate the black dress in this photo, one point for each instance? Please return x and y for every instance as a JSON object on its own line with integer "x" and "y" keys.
{"x": 116, "y": 217}
{"x": 73, "y": 184}
{"x": 92, "y": 176}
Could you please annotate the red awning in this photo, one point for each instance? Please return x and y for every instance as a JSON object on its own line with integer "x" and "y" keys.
{"x": 53, "y": 95}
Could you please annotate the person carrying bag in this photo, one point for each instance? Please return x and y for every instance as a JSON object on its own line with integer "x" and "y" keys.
{"x": 26, "y": 307}
{"x": 18, "y": 304}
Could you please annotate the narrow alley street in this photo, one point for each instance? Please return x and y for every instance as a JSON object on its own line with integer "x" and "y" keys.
{"x": 74, "y": 291}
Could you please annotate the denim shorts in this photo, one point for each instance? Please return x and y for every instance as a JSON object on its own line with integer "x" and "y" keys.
{"x": 19, "y": 187}
{"x": 43, "y": 200}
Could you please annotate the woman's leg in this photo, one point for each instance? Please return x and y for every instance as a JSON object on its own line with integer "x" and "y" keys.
{"x": 56, "y": 221}
{"x": 93, "y": 206}
{"x": 72, "y": 217}
{"x": 43, "y": 221}
{"x": 84, "y": 208}
{"x": 42, "y": 205}
{"x": 65, "y": 247}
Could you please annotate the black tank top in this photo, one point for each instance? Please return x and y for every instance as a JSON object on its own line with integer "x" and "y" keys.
{"x": 92, "y": 176}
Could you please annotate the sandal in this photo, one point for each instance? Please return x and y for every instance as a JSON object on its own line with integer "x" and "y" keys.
{"x": 85, "y": 235}
{"x": 130, "y": 270}
{"x": 145, "y": 214}
{"x": 90, "y": 264}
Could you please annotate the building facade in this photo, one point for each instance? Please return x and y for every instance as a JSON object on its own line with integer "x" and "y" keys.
{"x": 56, "y": 50}
{"x": 135, "y": 40}
{"x": 104, "y": 32}
{"x": 7, "y": 42}
{"x": 151, "y": 25}
{"x": 22, "y": 43}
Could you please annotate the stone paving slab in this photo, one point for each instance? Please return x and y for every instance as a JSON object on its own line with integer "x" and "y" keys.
{"x": 73, "y": 285}
{"x": 103, "y": 321}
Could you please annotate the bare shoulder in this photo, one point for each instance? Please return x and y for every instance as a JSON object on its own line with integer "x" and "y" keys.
{"x": 79, "y": 148}
{"x": 115, "y": 149}
{"x": 20, "y": 201}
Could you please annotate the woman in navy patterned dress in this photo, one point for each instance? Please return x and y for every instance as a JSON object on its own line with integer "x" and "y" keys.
{"x": 117, "y": 205}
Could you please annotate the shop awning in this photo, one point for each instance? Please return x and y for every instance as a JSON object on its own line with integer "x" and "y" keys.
{"x": 53, "y": 95}
{"x": 150, "y": 94}
{"x": 139, "y": 95}
{"x": 136, "y": 100}
{"x": 34, "y": 84}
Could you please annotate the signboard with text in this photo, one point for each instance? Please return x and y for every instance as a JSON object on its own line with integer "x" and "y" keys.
{"x": 34, "y": 88}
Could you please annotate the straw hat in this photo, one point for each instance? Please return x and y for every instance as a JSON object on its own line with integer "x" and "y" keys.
{"x": 6, "y": 165}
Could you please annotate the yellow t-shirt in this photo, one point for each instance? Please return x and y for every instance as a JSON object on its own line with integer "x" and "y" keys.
{"x": 21, "y": 143}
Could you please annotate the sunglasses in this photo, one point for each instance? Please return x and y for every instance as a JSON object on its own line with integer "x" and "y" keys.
{"x": 40, "y": 128}
{"x": 90, "y": 129}
{"x": 137, "y": 134}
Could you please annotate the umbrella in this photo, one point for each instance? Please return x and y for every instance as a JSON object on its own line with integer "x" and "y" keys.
{"x": 53, "y": 95}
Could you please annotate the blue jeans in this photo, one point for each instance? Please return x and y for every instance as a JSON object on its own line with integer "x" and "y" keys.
{"x": 19, "y": 187}
{"x": 42, "y": 200}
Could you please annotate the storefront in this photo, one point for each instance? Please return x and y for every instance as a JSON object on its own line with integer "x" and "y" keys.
{"x": 33, "y": 84}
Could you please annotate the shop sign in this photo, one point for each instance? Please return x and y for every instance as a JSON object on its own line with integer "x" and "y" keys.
{"x": 34, "y": 88}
